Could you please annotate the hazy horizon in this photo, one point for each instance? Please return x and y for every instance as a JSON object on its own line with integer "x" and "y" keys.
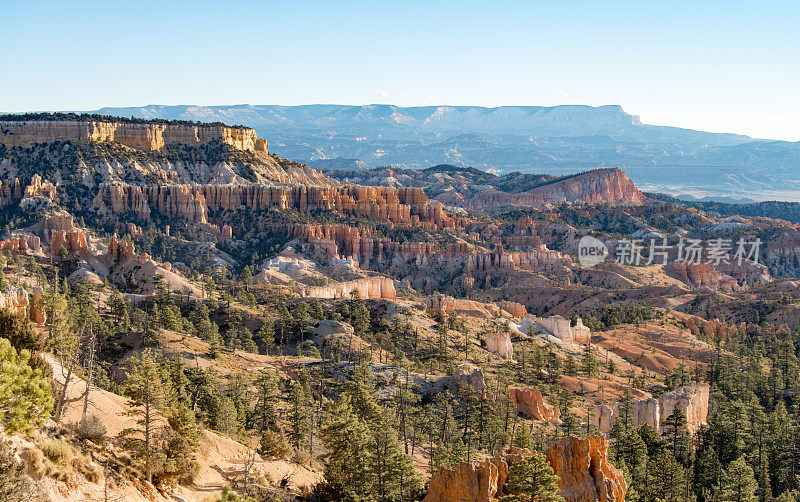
{"x": 717, "y": 66}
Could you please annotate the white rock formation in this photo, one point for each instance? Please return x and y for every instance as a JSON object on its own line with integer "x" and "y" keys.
{"x": 558, "y": 327}
{"x": 692, "y": 400}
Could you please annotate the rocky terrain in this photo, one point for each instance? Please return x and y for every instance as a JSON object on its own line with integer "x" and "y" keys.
{"x": 530, "y": 139}
{"x": 445, "y": 319}
{"x": 470, "y": 188}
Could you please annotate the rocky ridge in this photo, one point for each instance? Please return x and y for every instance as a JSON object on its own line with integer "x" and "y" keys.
{"x": 142, "y": 136}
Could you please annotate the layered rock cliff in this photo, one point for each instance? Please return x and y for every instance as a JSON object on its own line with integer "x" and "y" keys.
{"x": 192, "y": 202}
{"x": 142, "y": 136}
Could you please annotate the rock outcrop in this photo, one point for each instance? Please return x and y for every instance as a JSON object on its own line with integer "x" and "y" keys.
{"x": 610, "y": 186}
{"x": 473, "y": 482}
{"x": 584, "y": 471}
{"x": 558, "y": 327}
{"x": 704, "y": 274}
{"x": 193, "y": 202}
{"x": 531, "y": 404}
{"x": 582, "y": 465}
{"x": 692, "y": 400}
{"x": 469, "y": 375}
{"x": 514, "y": 308}
{"x": 499, "y": 342}
{"x": 139, "y": 135}
{"x": 367, "y": 288}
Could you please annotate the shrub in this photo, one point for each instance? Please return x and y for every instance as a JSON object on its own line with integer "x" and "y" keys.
{"x": 91, "y": 428}
{"x": 275, "y": 444}
{"x": 58, "y": 451}
{"x": 302, "y": 458}
{"x": 35, "y": 460}
{"x": 15, "y": 486}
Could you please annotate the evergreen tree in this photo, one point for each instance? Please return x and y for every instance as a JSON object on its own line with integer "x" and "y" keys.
{"x": 298, "y": 416}
{"x": 666, "y": 480}
{"x": 264, "y": 416}
{"x": 532, "y": 480}
{"x": 739, "y": 483}
{"x": 145, "y": 390}
{"x": 346, "y": 440}
{"x": 25, "y": 395}
{"x": 675, "y": 434}
{"x": 589, "y": 362}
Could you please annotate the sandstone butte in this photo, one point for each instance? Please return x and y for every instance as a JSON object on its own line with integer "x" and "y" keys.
{"x": 692, "y": 400}
{"x": 582, "y": 465}
{"x": 143, "y": 136}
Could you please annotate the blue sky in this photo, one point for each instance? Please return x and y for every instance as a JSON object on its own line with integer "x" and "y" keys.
{"x": 712, "y": 65}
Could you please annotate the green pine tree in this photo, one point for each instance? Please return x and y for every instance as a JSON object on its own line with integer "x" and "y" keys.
{"x": 532, "y": 480}
{"x": 26, "y": 400}
{"x": 738, "y": 483}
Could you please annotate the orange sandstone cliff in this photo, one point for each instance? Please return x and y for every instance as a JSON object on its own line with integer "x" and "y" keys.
{"x": 582, "y": 465}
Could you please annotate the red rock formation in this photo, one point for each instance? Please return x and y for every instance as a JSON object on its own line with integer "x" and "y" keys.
{"x": 474, "y": 482}
{"x": 399, "y": 205}
{"x": 582, "y": 465}
{"x": 531, "y": 404}
{"x": 704, "y": 274}
{"x": 19, "y": 302}
{"x": 120, "y": 251}
{"x": 14, "y": 301}
{"x": 22, "y": 243}
{"x": 514, "y": 308}
{"x": 584, "y": 471}
{"x": 360, "y": 244}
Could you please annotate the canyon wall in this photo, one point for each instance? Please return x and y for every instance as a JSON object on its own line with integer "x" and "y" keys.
{"x": 143, "y": 136}
{"x": 193, "y": 202}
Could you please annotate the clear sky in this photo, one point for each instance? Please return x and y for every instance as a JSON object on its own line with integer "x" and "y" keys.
{"x": 726, "y": 66}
